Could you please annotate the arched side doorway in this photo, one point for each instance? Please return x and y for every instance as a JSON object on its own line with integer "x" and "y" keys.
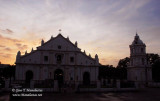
{"x": 86, "y": 78}
{"x": 58, "y": 75}
{"x": 29, "y": 77}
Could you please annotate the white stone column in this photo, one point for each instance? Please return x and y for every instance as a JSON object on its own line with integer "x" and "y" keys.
{"x": 118, "y": 84}
{"x": 97, "y": 73}
{"x": 55, "y": 86}
{"x": 111, "y": 81}
{"x": 17, "y": 73}
{"x": 98, "y": 84}
{"x": 149, "y": 75}
{"x": 106, "y": 81}
{"x": 136, "y": 85}
{"x": 101, "y": 81}
{"x": 6, "y": 83}
{"x": 76, "y": 85}
{"x": 31, "y": 84}
{"x": 12, "y": 79}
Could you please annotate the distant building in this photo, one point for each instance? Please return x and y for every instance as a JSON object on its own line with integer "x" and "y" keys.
{"x": 57, "y": 59}
{"x": 139, "y": 70}
{"x": 4, "y": 66}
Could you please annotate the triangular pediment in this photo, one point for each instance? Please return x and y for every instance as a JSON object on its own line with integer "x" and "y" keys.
{"x": 59, "y": 43}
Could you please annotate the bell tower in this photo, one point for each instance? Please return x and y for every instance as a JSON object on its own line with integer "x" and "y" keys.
{"x": 138, "y": 70}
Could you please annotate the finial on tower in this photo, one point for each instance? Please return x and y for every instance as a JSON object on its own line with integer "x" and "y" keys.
{"x": 32, "y": 49}
{"x": 25, "y": 52}
{"x": 96, "y": 56}
{"x": 52, "y": 37}
{"x": 68, "y": 37}
{"x": 76, "y": 43}
{"x": 42, "y": 42}
{"x": 18, "y": 55}
{"x": 137, "y": 33}
{"x": 84, "y": 52}
{"x": 97, "y": 59}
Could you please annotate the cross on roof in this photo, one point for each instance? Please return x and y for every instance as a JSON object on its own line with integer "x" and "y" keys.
{"x": 60, "y": 30}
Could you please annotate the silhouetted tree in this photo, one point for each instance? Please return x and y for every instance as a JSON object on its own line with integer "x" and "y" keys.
{"x": 154, "y": 60}
{"x": 156, "y": 70}
{"x": 123, "y": 62}
{"x": 151, "y": 58}
{"x": 9, "y": 71}
{"x": 107, "y": 71}
{"x": 121, "y": 70}
{"x": 110, "y": 72}
{"x": 121, "y": 73}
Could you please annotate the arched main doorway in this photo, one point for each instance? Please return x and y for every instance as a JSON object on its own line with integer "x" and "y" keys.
{"x": 58, "y": 75}
{"x": 86, "y": 78}
{"x": 29, "y": 77}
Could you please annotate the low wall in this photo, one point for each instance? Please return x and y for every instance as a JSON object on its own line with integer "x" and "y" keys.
{"x": 105, "y": 89}
{"x": 154, "y": 84}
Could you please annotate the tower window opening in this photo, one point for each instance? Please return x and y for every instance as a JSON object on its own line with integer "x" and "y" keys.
{"x": 59, "y": 47}
{"x": 71, "y": 59}
{"x": 142, "y": 50}
{"x": 136, "y": 42}
{"x": 45, "y": 58}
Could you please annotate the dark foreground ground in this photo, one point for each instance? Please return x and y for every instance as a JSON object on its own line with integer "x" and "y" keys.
{"x": 149, "y": 94}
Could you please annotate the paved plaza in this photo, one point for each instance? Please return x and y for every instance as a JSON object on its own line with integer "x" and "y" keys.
{"x": 150, "y": 94}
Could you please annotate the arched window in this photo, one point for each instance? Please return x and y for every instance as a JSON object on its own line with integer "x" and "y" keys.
{"x": 59, "y": 58}
{"x": 86, "y": 78}
{"x": 59, "y": 46}
{"x": 29, "y": 77}
{"x": 45, "y": 58}
{"x": 136, "y": 42}
{"x": 58, "y": 75}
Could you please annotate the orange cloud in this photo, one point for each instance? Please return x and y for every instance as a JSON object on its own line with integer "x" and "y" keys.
{"x": 21, "y": 47}
{"x": 2, "y": 46}
{"x": 6, "y": 39}
{"x": 10, "y": 46}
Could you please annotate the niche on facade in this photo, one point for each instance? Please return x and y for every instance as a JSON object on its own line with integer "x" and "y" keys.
{"x": 59, "y": 57}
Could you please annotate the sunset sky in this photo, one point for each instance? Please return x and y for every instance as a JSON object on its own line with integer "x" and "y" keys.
{"x": 103, "y": 27}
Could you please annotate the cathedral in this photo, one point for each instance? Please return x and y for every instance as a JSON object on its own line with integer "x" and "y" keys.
{"x": 60, "y": 60}
{"x": 139, "y": 70}
{"x": 57, "y": 59}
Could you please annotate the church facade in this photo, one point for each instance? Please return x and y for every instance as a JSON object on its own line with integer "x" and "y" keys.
{"x": 139, "y": 70}
{"x": 57, "y": 59}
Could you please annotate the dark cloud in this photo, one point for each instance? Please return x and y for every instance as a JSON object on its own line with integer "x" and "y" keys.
{"x": 21, "y": 47}
{"x": 9, "y": 39}
{"x": 2, "y": 46}
{"x": 7, "y": 49}
{"x": 5, "y": 55}
{"x": 6, "y": 31}
{"x": 18, "y": 44}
